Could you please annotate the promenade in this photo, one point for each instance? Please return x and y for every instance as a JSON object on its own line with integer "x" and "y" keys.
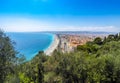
{"x": 53, "y": 46}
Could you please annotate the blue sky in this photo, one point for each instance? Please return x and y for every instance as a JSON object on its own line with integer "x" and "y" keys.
{"x": 62, "y": 15}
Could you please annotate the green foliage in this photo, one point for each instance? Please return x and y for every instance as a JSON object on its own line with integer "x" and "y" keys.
{"x": 94, "y": 62}
{"x": 7, "y": 57}
{"x": 23, "y": 78}
{"x": 98, "y": 41}
{"x": 88, "y": 48}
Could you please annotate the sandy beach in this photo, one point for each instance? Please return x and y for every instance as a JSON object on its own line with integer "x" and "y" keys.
{"x": 53, "y": 46}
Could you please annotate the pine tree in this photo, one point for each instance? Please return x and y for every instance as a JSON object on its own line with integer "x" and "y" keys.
{"x": 7, "y": 56}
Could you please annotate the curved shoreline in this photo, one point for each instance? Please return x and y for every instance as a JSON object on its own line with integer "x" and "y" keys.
{"x": 53, "y": 46}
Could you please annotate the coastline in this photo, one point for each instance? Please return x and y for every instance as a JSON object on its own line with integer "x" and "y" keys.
{"x": 53, "y": 46}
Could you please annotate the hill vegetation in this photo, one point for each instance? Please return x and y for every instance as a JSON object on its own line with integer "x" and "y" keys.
{"x": 95, "y": 62}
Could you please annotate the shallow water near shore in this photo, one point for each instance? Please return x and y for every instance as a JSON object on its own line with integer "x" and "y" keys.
{"x": 29, "y": 44}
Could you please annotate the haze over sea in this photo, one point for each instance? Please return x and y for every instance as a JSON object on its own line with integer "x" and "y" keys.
{"x": 30, "y": 43}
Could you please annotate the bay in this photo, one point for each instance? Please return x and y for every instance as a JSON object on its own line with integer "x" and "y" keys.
{"x": 30, "y": 43}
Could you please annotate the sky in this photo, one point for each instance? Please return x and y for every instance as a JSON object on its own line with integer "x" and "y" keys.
{"x": 60, "y": 15}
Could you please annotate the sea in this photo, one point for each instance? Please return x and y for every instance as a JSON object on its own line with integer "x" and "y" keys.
{"x": 30, "y": 43}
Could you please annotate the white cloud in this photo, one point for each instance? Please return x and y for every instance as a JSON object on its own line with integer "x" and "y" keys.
{"x": 29, "y": 25}
{"x": 93, "y": 29}
{"x": 99, "y": 28}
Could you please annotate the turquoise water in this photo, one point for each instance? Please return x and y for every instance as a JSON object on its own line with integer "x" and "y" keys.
{"x": 29, "y": 44}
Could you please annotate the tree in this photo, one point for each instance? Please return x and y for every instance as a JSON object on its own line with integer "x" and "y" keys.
{"x": 7, "y": 56}
{"x": 98, "y": 41}
{"x": 110, "y": 38}
{"x": 40, "y": 73}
